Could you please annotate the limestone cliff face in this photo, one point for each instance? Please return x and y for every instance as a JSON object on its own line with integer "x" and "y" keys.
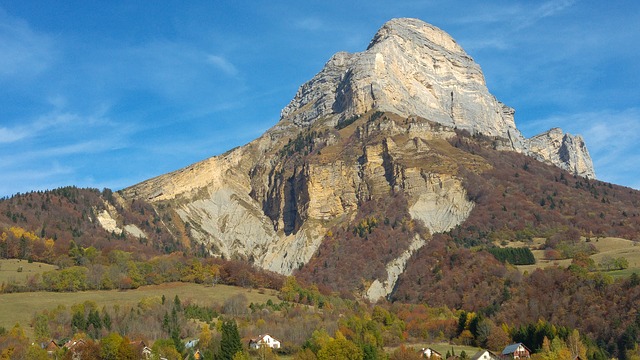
{"x": 564, "y": 150}
{"x": 409, "y": 68}
{"x": 367, "y": 125}
{"x": 107, "y": 219}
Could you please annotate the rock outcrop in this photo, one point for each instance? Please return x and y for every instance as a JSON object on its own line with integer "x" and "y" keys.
{"x": 106, "y": 219}
{"x": 566, "y": 151}
{"x": 381, "y": 288}
{"x": 367, "y": 125}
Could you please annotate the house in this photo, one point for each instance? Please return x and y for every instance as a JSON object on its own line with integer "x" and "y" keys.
{"x": 485, "y": 355}
{"x": 191, "y": 343}
{"x": 75, "y": 347}
{"x": 196, "y": 355}
{"x": 264, "y": 340}
{"x": 141, "y": 348}
{"x": 71, "y": 344}
{"x": 51, "y": 347}
{"x": 147, "y": 352}
{"x": 516, "y": 351}
{"x": 429, "y": 353}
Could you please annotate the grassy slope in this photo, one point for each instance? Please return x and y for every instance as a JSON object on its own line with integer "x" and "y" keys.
{"x": 612, "y": 247}
{"x": 9, "y": 270}
{"x": 20, "y": 307}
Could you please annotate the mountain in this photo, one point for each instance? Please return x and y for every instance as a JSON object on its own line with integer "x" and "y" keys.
{"x": 392, "y": 173}
{"x": 368, "y": 127}
{"x": 385, "y": 163}
{"x": 412, "y": 68}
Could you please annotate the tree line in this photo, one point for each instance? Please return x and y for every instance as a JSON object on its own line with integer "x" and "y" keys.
{"x": 90, "y": 269}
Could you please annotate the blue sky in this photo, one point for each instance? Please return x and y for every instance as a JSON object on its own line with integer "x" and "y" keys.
{"x": 108, "y": 94}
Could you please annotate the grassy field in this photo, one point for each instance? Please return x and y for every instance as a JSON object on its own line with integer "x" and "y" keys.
{"x": 615, "y": 247}
{"x": 9, "y": 270}
{"x": 442, "y": 348}
{"x": 611, "y": 247}
{"x": 20, "y": 307}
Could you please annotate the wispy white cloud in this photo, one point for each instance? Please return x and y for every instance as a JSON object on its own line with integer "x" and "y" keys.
{"x": 550, "y": 8}
{"x": 310, "y": 24}
{"x": 487, "y": 13}
{"x": 169, "y": 69}
{"x": 498, "y": 43}
{"x": 533, "y": 15}
{"x": 222, "y": 64}
{"x": 40, "y": 126}
{"x": 9, "y": 135}
{"x": 73, "y": 153}
{"x": 46, "y": 176}
{"x": 521, "y": 14}
{"x": 25, "y": 52}
{"x": 498, "y": 25}
{"x": 50, "y": 170}
{"x": 55, "y": 136}
{"x": 20, "y": 132}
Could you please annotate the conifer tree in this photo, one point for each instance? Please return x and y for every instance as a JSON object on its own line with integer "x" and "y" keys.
{"x": 230, "y": 342}
{"x": 106, "y": 318}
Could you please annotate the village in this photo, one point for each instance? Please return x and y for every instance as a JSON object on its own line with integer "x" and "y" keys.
{"x": 75, "y": 349}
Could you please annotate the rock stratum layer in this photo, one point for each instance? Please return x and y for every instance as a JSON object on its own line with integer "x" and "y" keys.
{"x": 367, "y": 125}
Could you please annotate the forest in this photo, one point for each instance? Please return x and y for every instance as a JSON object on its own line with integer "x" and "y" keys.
{"x": 473, "y": 299}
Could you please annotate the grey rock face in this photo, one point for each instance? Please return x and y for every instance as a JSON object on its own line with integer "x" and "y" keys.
{"x": 412, "y": 68}
{"x": 409, "y": 68}
{"x": 564, "y": 150}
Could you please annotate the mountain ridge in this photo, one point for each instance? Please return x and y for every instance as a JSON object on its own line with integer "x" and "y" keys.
{"x": 368, "y": 125}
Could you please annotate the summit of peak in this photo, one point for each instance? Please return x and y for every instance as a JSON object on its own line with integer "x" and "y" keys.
{"x": 417, "y": 31}
{"x": 409, "y": 68}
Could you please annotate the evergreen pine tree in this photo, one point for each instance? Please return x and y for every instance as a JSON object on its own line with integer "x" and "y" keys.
{"x": 230, "y": 342}
{"x": 165, "y": 322}
{"x": 370, "y": 352}
{"x": 106, "y": 319}
{"x": 174, "y": 330}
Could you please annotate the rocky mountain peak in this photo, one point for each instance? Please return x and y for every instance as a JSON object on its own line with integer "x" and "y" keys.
{"x": 410, "y": 68}
{"x": 415, "y": 31}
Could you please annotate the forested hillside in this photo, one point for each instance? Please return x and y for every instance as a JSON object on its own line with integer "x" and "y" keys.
{"x": 60, "y": 227}
{"x": 520, "y": 198}
{"x": 52, "y": 220}
{"x": 516, "y": 199}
